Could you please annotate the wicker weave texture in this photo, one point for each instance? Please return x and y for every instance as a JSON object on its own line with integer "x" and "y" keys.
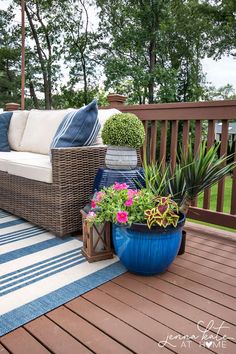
{"x": 55, "y": 206}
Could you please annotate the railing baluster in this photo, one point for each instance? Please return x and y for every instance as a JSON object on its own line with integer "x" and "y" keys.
{"x": 223, "y": 151}
{"x": 144, "y": 148}
{"x": 173, "y": 144}
{"x": 210, "y": 142}
{"x": 153, "y": 141}
{"x": 198, "y": 135}
{"x": 197, "y": 142}
{"x": 185, "y": 135}
{"x": 163, "y": 143}
{"x": 233, "y": 196}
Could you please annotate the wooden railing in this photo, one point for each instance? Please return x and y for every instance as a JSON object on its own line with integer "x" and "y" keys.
{"x": 166, "y": 124}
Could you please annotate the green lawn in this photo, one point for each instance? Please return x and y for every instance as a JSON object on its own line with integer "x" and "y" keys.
{"x": 213, "y": 199}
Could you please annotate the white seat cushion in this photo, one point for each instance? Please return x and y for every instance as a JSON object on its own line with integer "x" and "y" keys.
{"x": 40, "y": 129}
{"x": 103, "y": 115}
{"x": 7, "y": 157}
{"x": 16, "y": 128}
{"x": 38, "y": 168}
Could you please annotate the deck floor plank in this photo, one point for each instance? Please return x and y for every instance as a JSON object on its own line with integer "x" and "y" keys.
{"x": 212, "y": 257}
{"x": 203, "y": 279}
{"x": 141, "y": 321}
{"x": 189, "y": 297}
{"x": 211, "y": 250}
{"x": 20, "y": 341}
{"x": 86, "y": 333}
{"x": 205, "y": 270}
{"x": 55, "y": 338}
{"x": 216, "y": 266}
{"x": 198, "y": 289}
{"x": 134, "y": 314}
{"x": 3, "y": 350}
{"x": 114, "y": 327}
{"x": 156, "y": 316}
{"x": 170, "y": 303}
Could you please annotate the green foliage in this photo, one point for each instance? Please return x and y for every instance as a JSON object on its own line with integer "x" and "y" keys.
{"x": 226, "y": 92}
{"x": 9, "y": 60}
{"x": 123, "y": 129}
{"x": 154, "y": 49}
{"x": 69, "y": 97}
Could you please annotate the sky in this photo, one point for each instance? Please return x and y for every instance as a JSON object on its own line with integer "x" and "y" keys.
{"x": 218, "y": 73}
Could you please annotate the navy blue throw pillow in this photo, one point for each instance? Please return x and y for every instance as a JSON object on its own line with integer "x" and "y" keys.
{"x": 5, "y": 119}
{"x": 78, "y": 128}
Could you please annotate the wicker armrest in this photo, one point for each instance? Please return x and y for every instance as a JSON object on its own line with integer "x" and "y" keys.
{"x": 77, "y": 164}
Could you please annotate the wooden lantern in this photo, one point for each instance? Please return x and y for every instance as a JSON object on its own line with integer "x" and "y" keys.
{"x": 96, "y": 240}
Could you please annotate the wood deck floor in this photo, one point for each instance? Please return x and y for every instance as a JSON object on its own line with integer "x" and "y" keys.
{"x": 136, "y": 314}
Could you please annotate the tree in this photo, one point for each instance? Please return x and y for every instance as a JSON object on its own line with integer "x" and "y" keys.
{"x": 221, "y": 16}
{"x": 152, "y": 49}
{"x": 45, "y": 33}
{"x": 9, "y": 60}
{"x": 226, "y": 92}
{"x": 80, "y": 46}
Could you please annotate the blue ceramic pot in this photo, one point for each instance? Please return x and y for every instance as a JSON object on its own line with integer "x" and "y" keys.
{"x": 147, "y": 251}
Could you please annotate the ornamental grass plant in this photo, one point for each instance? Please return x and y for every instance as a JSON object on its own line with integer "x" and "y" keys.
{"x": 192, "y": 174}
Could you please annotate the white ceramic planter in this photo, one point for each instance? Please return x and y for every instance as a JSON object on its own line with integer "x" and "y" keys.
{"x": 121, "y": 158}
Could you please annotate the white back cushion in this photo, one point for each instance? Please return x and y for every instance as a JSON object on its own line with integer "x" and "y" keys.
{"x": 103, "y": 115}
{"x": 16, "y": 128}
{"x": 40, "y": 129}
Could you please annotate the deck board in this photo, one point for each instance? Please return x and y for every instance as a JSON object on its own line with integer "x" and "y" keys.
{"x": 134, "y": 314}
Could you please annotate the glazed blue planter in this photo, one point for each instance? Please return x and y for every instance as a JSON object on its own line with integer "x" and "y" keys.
{"x": 147, "y": 251}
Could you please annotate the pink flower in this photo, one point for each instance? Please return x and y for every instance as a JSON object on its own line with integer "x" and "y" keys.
{"x": 129, "y": 202}
{"x": 91, "y": 214}
{"x": 99, "y": 196}
{"x": 122, "y": 216}
{"x": 119, "y": 186}
{"x": 91, "y": 217}
{"x": 93, "y": 204}
{"x": 132, "y": 193}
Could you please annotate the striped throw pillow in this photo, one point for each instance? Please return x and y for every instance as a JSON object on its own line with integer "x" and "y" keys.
{"x": 4, "y": 126}
{"x": 78, "y": 128}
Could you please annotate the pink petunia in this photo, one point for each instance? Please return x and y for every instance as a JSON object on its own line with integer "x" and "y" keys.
{"x": 129, "y": 202}
{"x": 99, "y": 196}
{"x": 132, "y": 193}
{"x": 93, "y": 204}
{"x": 119, "y": 186}
{"x": 91, "y": 217}
{"x": 122, "y": 216}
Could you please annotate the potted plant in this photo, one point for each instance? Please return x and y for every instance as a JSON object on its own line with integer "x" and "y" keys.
{"x": 123, "y": 133}
{"x": 146, "y": 229}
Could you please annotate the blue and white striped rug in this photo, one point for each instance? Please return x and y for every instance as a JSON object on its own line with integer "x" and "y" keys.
{"x": 39, "y": 272}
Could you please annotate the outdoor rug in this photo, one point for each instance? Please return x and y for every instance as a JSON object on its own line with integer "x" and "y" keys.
{"x": 39, "y": 272}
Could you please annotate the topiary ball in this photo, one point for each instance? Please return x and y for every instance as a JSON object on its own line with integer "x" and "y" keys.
{"x": 123, "y": 129}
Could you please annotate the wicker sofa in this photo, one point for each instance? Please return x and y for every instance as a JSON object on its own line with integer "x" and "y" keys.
{"x": 55, "y": 204}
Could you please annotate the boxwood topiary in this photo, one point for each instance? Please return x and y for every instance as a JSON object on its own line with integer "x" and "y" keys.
{"x": 123, "y": 129}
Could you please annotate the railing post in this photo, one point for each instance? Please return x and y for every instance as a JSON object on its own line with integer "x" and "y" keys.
{"x": 12, "y": 106}
{"x": 116, "y": 100}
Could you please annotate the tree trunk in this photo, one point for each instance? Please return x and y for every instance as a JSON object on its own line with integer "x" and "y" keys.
{"x": 152, "y": 63}
{"x": 33, "y": 95}
{"x": 85, "y": 80}
{"x": 41, "y": 60}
